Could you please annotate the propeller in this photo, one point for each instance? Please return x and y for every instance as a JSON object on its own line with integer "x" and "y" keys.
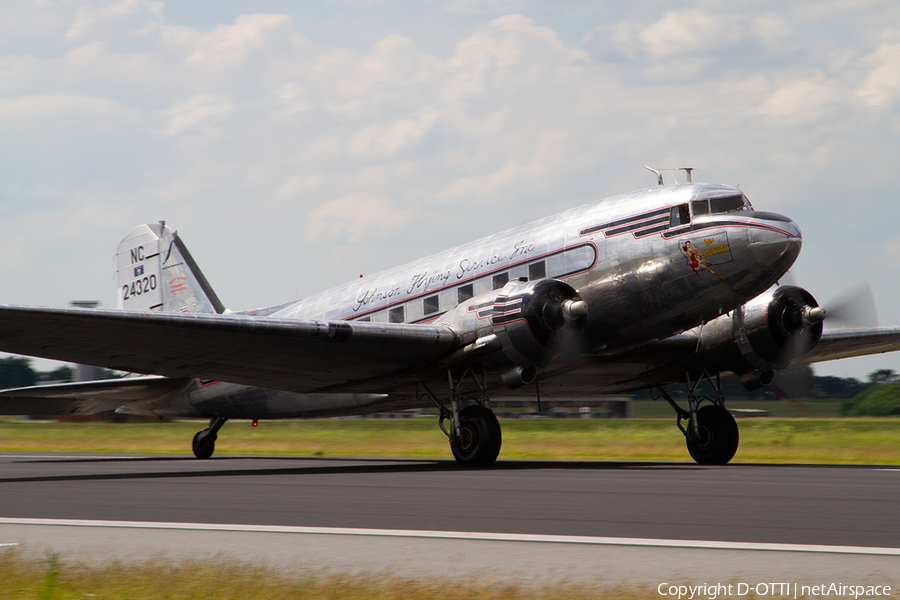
{"x": 854, "y": 307}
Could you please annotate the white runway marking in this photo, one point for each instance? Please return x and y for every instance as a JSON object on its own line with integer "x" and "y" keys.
{"x": 462, "y": 535}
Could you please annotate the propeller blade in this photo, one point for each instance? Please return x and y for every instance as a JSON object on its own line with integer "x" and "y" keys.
{"x": 792, "y": 383}
{"x": 854, "y": 307}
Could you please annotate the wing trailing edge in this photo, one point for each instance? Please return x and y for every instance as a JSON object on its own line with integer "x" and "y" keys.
{"x": 298, "y": 356}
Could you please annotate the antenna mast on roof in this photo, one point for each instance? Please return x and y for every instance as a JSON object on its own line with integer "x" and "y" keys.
{"x": 688, "y": 171}
{"x": 658, "y": 174}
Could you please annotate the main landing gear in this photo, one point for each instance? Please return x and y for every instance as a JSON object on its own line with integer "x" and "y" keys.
{"x": 474, "y": 433}
{"x": 712, "y": 434}
{"x": 204, "y": 443}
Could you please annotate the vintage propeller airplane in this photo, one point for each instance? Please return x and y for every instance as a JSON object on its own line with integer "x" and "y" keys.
{"x": 667, "y": 285}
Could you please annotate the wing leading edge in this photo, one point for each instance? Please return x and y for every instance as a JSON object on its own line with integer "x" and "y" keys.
{"x": 846, "y": 343}
{"x": 298, "y": 356}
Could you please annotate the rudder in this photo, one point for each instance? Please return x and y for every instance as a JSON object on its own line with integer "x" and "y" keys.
{"x": 155, "y": 271}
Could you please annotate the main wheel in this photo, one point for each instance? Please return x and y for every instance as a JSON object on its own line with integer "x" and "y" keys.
{"x": 718, "y": 439}
{"x": 479, "y": 438}
{"x": 204, "y": 444}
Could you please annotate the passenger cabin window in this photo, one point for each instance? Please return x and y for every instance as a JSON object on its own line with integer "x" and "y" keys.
{"x": 431, "y": 305}
{"x": 537, "y": 270}
{"x": 396, "y": 315}
{"x": 464, "y": 292}
{"x": 726, "y": 204}
{"x": 366, "y": 319}
{"x": 500, "y": 280}
{"x": 700, "y": 207}
{"x": 680, "y": 215}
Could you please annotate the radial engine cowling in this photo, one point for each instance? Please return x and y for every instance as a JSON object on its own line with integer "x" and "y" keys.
{"x": 777, "y": 327}
{"x": 539, "y": 319}
{"x": 520, "y": 327}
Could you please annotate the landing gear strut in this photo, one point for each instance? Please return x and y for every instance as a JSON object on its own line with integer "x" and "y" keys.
{"x": 204, "y": 443}
{"x": 474, "y": 434}
{"x": 712, "y": 435}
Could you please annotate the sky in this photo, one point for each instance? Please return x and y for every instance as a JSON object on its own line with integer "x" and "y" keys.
{"x": 297, "y": 145}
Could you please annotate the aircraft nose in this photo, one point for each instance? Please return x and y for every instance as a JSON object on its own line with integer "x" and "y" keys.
{"x": 775, "y": 241}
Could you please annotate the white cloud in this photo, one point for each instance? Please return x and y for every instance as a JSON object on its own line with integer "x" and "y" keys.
{"x": 684, "y": 44}
{"x": 389, "y": 140}
{"x": 488, "y": 6}
{"x": 891, "y": 252}
{"x": 64, "y": 108}
{"x": 373, "y": 155}
{"x": 110, "y": 20}
{"x": 196, "y": 115}
{"x": 882, "y": 85}
{"x": 810, "y": 100}
{"x": 357, "y": 218}
{"x": 228, "y": 45}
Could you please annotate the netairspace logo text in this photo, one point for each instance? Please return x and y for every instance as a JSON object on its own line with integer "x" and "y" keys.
{"x": 711, "y": 591}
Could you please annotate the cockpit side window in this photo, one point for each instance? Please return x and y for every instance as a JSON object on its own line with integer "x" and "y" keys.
{"x": 700, "y": 207}
{"x": 680, "y": 215}
{"x": 726, "y": 204}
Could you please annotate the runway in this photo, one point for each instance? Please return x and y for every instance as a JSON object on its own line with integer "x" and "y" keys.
{"x": 579, "y": 520}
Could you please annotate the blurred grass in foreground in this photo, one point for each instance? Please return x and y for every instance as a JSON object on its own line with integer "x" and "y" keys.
{"x": 52, "y": 579}
{"x": 772, "y": 440}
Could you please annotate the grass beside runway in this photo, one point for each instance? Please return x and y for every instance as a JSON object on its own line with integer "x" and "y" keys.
{"x": 52, "y": 579}
{"x": 769, "y": 440}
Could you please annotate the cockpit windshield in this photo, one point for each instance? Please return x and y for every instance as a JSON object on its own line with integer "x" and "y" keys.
{"x": 723, "y": 204}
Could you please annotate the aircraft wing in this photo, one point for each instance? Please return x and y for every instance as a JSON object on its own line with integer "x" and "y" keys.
{"x": 86, "y": 397}
{"x": 298, "y": 356}
{"x": 844, "y": 343}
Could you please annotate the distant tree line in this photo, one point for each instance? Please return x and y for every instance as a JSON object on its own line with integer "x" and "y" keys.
{"x": 878, "y": 396}
{"x": 16, "y": 371}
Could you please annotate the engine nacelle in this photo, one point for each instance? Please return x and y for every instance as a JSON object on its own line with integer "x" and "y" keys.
{"x": 520, "y": 327}
{"x": 762, "y": 336}
{"x": 778, "y": 326}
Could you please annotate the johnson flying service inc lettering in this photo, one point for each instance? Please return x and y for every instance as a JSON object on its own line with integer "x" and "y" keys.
{"x": 429, "y": 280}
{"x": 374, "y": 296}
{"x": 471, "y": 266}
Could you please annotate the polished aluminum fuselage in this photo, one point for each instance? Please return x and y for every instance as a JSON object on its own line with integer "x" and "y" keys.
{"x": 639, "y": 286}
{"x": 626, "y": 256}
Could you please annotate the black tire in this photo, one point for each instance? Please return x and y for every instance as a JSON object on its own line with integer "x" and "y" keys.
{"x": 204, "y": 444}
{"x": 480, "y": 438}
{"x": 718, "y": 440}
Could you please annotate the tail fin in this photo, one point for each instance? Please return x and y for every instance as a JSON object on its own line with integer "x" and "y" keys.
{"x": 155, "y": 271}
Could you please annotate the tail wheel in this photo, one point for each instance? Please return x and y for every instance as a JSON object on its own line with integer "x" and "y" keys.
{"x": 718, "y": 439}
{"x": 478, "y": 444}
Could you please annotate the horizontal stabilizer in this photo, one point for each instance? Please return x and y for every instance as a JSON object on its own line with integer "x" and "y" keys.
{"x": 86, "y": 397}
